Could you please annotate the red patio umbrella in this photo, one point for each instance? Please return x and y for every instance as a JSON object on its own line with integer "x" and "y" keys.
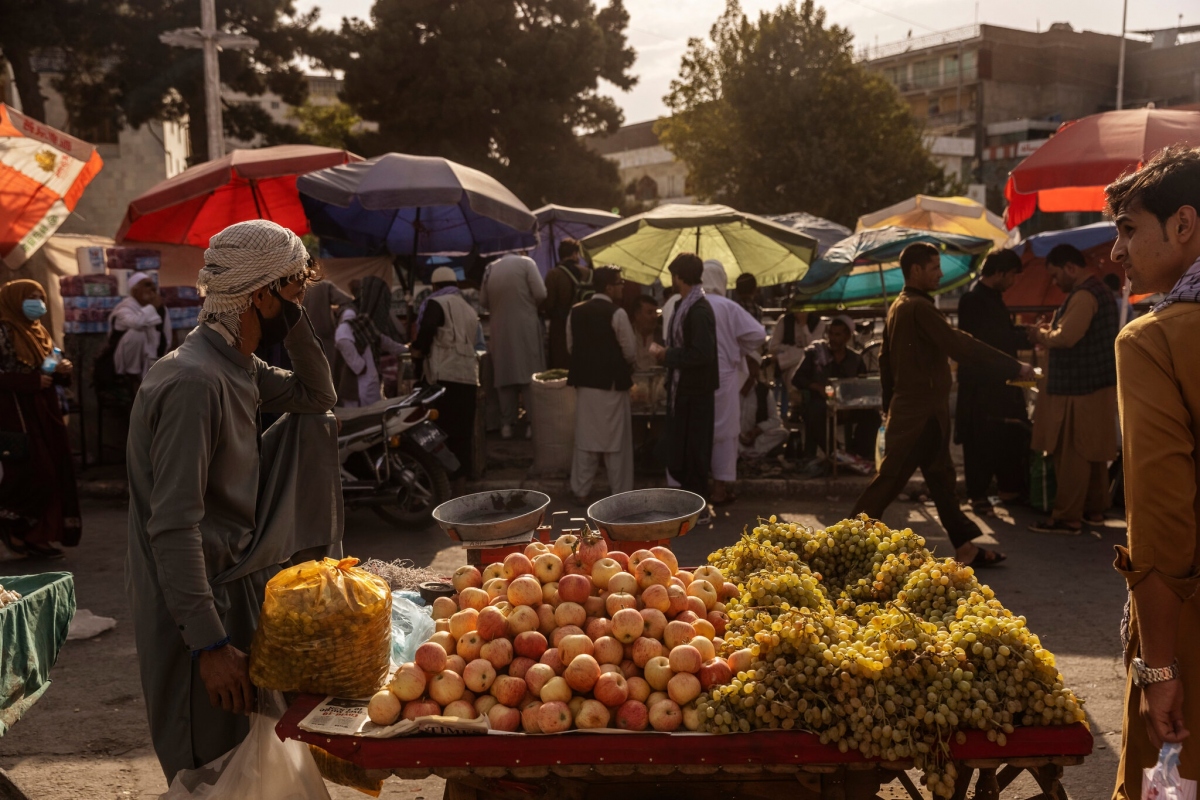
{"x": 1069, "y": 172}
{"x": 207, "y": 198}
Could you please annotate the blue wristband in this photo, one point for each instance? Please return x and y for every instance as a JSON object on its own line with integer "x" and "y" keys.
{"x": 213, "y": 646}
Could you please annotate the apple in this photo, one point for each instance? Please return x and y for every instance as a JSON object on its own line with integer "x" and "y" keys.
{"x": 684, "y": 688}
{"x": 529, "y": 644}
{"x": 729, "y": 591}
{"x": 484, "y": 703}
{"x": 678, "y": 597}
{"x": 555, "y": 689}
{"x": 522, "y": 619}
{"x": 572, "y": 646}
{"x": 714, "y": 672}
{"x": 496, "y": 588}
{"x": 430, "y": 657}
{"x": 548, "y": 568}
{"x": 592, "y": 714}
{"x": 537, "y": 676}
{"x": 504, "y": 718}
{"x": 497, "y": 651}
{"x": 444, "y": 608}
{"x": 655, "y": 698}
{"x": 491, "y": 624}
{"x": 546, "y": 623}
{"x": 479, "y": 675}
{"x": 632, "y": 716}
{"x": 665, "y": 555}
{"x": 696, "y": 606}
{"x": 705, "y": 628}
{"x": 456, "y": 663}
{"x": 740, "y": 660}
{"x": 535, "y": 549}
{"x": 469, "y": 645}
{"x": 655, "y": 596}
{"x": 627, "y": 625}
{"x": 508, "y": 690}
{"x": 705, "y": 646}
{"x": 446, "y": 687}
{"x": 554, "y": 717}
{"x": 630, "y": 670}
{"x": 463, "y": 622}
{"x": 520, "y": 666}
{"x": 550, "y": 593}
{"x": 460, "y": 709}
{"x": 704, "y": 590}
{"x": 658, "y": 672}
{"x": 684, "y": 577}
{"x": 637, "y": 557}
{"x": 594, "y": 606}
{"x": 719, "y": 644}
{"x": 623, "y": 583}
{"x": 573, "y": 566}
{"x": 525, "y": 590}
{"x": 678, "y": 633}
{"x": 582, "y": 673}
{"x": 603, "y": 571}
{"x": 608, "y": 650}
{"x": 559, "y": 634}
{"x": 493, "y": 570}
{"x": 574, "y": 589}
{"x": 645, "y": 649}
{"x": 651, "y": 571}
{"x": 685, "y": 658}
{"x": 691, "y": 718}
{"x": 565, "y": 545}
{"x": 598, "y": 628}
{"x": 473, "y": 597}
{"x": 655, "y": 623}
{"x": 665, "y": 716}
{"x": 620, "y": 558}
{"x": 591, "y": 549}
{"x": 468, "y": 695}
{"x": 677, "y": 581}
{"x": 466, "y": 577}
{"x": 611, "y": 689}
{"x": 618, "y": 601}
{"x": 719, "y": 621}
{"x": 614, "y": 668}
{"x": 709, "y": 573}
{"x": 516, "y": 565}
{"x": 550, "y": 658}
{"x": 687, "y": 616}
{"x": 638, "y": 689}
{"x": 421, "y": 708}
{"x": 442, "y": 624}
{"x": 502, "y": 605}
{"x": 570, "y": 613}
{"x": 529, "y": 717}
{"x": 444, "y": 640}
{"x": 384, "y": 708}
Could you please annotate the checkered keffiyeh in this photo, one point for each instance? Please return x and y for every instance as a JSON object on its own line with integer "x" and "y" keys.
{"x": 1186, "y": 289}
{"x": 241, "y": 259}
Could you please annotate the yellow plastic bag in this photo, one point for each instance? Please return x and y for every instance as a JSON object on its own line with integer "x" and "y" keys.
{"x": 326, "y": 628}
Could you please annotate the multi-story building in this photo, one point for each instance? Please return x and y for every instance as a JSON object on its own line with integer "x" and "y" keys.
{"x": 650, "y": 173}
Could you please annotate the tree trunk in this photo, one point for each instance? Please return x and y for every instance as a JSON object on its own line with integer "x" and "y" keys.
{"x": 197, "y": 127}
{"x": 33, "y": 103}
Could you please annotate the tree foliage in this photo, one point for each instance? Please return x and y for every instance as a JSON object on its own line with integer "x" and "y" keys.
{"x": 505, "y": 86}
{"x": 774, "y": 115}
{"x": 330, "y": 125}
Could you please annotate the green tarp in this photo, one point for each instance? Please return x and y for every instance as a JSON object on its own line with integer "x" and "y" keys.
{"x": 32, "y": 632}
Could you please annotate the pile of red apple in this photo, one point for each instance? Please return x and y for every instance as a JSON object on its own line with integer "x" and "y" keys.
{"x": 569, "y": 635}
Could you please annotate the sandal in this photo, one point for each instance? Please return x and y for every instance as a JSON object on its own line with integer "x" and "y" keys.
{"x": 1095, "y": 520}
{"x": 986, "y": 558}
{"x": 1055, "y": 526}
{"x": 983, "y": 508}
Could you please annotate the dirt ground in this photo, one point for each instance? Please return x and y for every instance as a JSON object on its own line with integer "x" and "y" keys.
{"x": 88, "y": 737}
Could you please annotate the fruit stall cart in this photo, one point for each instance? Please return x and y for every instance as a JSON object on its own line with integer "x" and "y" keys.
{"x": 766, "y": 764}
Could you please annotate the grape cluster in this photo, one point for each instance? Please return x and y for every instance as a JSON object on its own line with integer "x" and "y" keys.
{"x": 860, "y": 635}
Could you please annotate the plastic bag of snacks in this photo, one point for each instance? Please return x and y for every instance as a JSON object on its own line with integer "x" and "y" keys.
{"x": 326, "y": 628}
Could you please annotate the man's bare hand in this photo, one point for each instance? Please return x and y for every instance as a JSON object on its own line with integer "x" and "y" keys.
{"x": 226, "y": 675}
{"x": 1162, "y": 711}
{"x": 45, "y": 380}
{"x": 64, "y": 366}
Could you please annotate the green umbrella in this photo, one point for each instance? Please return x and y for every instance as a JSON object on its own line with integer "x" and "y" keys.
{"x": 644, "y": 245}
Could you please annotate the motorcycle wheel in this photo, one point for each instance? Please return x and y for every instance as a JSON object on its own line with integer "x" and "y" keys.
{"x": 414, "y": 509}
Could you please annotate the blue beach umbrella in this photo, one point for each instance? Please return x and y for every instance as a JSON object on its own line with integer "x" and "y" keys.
{"x": 555, "y": 223}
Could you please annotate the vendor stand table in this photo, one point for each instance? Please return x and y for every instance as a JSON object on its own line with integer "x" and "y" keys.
{"x": 849, "y": 395}
{"x": 789, "y": 765}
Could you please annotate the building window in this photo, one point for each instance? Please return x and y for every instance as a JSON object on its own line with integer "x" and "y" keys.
{"x": 926, "y": 73}
{"x": 897, "y": 76}
{"x": 950, "y": 68}
{"x": 935, "y": 107}
{"x": 970, "y": 62}
{"x": 647, "y": 188}
{"x": 274, "y": 105}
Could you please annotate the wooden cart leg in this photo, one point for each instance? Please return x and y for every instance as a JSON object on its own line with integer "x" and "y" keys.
{"x": 1049, "y": 778}
{"x": 457, "y": 790}
{"x": 910, "y": 787}
{"x": 962, "y": 783}
{"x": 986, "y": 788}
{"x": 1007, "y": 775}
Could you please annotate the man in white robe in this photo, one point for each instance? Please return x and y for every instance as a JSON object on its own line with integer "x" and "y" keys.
{"x": 139, "y": 325}
{"x": 511, "y": 291}
{"x": 603, "y": 352}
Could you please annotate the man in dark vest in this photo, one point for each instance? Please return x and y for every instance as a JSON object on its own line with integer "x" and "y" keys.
{"x": 1076, "y": 414}
{"x": 567, "y": 284}
{"x": 603, "y": 354}
{"x": 990, "y": 420}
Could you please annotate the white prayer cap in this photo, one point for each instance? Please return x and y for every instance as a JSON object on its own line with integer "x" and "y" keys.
{"x": 845, "y": 320}
{"x": 444, "y": 275}
{"x": 714, "y": 279}
{"x": 138, "y": 277}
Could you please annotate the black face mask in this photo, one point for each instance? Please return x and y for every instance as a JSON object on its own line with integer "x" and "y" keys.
{"x": 276, "y": 329}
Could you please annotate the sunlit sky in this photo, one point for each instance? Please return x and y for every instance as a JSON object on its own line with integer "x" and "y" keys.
{"x": 659, "y": 29}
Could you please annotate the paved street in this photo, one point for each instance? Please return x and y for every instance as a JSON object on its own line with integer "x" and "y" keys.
{"x": 87, "y": 737}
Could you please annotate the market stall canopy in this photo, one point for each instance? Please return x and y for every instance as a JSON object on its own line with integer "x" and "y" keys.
{"x": 1034, "y": 289}
{"x": 644, "y": 245}
{"x": 556, "y": 223}
{"x": 826, "y": 232}
{"x": 416, "y": 205}
{"x": 43, "y": 173}
{"x": 864, "y": 269}
{"x": 960, "y": 215}
{"x": 207, "y": 198}
{"x": 1070, "y": 171}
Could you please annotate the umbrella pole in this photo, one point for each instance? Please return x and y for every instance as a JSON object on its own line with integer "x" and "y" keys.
{"x": 883, "y": 287}
{"x": 254, "y": 196}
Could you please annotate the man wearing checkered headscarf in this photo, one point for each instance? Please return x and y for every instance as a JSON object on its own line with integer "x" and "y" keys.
{"x": 216, "y": 504}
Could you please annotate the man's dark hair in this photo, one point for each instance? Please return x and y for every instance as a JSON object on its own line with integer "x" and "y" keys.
{"x": 917, "y": 254}
{"x": 1062, "y": 254}
{"x": 688, "y": 268}
{"x": 569, "y": 248}
{"x": 647, "y": 300}
{"x": 746, "y": 283}
{"x": 1165, "y": 184}
{"x": 1001, "y": 262}
{"x": 603, "y": 277}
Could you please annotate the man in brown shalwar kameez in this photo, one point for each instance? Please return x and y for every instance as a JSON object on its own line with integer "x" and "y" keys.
{"x": 1157, "y": 211}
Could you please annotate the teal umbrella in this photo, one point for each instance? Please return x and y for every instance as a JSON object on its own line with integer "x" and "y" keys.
{"x": 864, "y": 269}
{"x": 644, "y": 245}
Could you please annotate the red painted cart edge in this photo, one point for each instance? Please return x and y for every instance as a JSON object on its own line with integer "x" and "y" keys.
{"x": 760, "y": 747}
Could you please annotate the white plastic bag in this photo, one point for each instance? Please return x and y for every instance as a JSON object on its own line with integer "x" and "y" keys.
{"x": 412, "y": 625}
{"x": 1162, "y": 781}
{"x": 262, "y": 766}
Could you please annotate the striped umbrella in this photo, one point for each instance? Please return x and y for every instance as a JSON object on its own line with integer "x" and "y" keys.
{"x": 43, "y": 173}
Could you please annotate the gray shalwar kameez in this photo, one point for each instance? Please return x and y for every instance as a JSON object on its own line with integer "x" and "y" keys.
{"x": 208, "y": 527}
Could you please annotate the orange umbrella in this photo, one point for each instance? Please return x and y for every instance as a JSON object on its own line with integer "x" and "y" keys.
{"x": 43, "y": 173}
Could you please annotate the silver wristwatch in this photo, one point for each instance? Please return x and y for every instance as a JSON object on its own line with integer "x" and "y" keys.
{"x": 1144, "y": 676}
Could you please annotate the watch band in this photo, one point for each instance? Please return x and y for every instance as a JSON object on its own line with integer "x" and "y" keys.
{"x": 1145, "y": 676}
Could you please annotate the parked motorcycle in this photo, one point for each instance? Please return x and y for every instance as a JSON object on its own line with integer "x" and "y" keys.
{"x": 394, "y": 458}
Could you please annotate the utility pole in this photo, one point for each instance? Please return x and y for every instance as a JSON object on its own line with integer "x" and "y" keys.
{"x": 1121, "y": 59}
{"x": 211, "y": 40}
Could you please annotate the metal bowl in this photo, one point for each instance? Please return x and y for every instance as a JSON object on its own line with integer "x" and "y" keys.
{"x": 646, "y": 515}
{"x": 492, "y": 516}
